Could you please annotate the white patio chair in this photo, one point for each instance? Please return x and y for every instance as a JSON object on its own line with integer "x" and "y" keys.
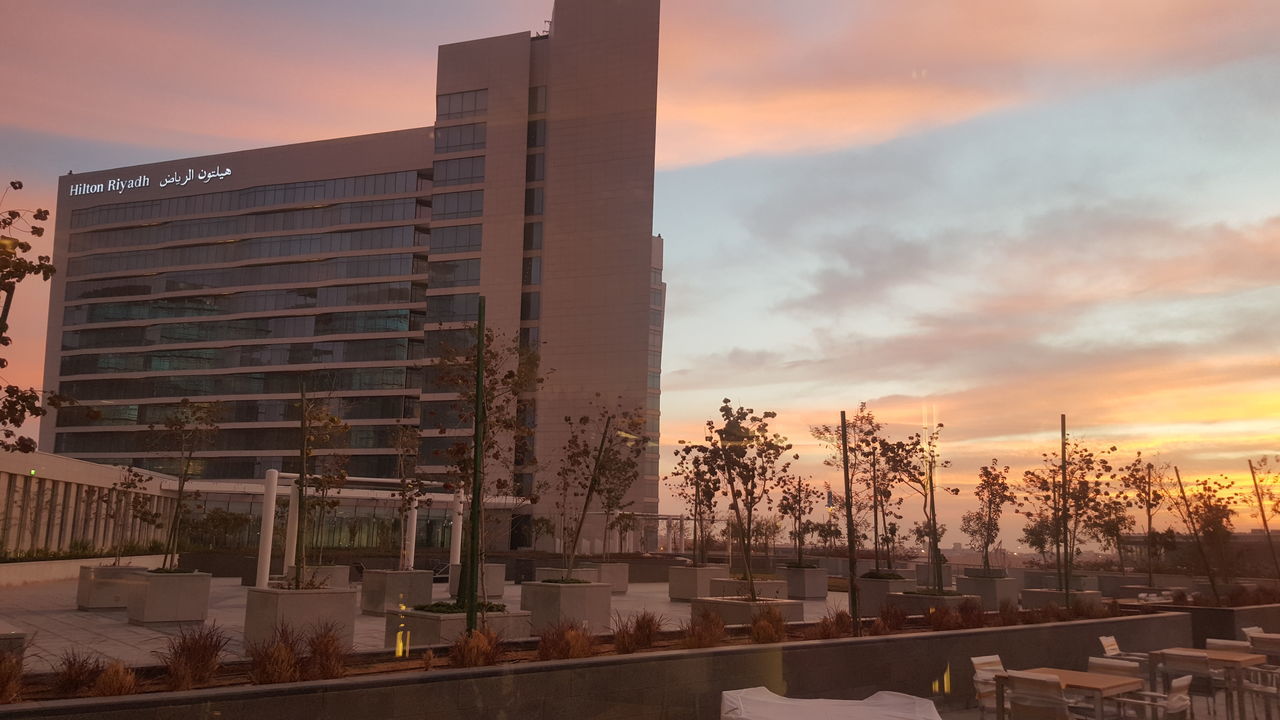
{"x": 985, "y": 668}
{"x": 1033, "y": 696}
{"x": 1111, "y": 649}
{"x": 1176, "y": 705}
{"x": 1212, "y": 680}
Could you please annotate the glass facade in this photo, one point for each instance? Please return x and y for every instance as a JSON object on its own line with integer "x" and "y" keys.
{"x": 160, "y": 304}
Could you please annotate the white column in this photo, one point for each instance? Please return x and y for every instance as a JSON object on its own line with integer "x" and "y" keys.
{"x": 291, "y": 527}
{"x": 411, "y": 534}
{"x": 455, "y": 534}
{"x": 269, "y": 486}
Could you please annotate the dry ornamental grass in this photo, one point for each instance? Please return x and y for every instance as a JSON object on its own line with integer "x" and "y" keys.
{"x": 703, "y": 631}
{"x": 565, "y": 640}
{"x": 276, "y": 660}
{"x": 75, "y": 672}
{"x": 193, "y": 656}
{"x": 116, "y": 679}
{"x": 327, "y": 655}
{"x": 476, "y": 649}
{"x": 10, "y": 677}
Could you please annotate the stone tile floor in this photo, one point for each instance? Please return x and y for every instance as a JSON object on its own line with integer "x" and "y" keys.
{"x": 48, "y": 611}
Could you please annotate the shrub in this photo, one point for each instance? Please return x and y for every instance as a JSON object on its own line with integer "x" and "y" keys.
{"x": 705, "y": 630}
{"x": 10, "y": 677}
{"x": 647, "y": 625}
{"x": 1009, "y": 613}
{"x": 75, "y": 671}
{"x": 625, "y": 640}
{"x": 943, "y": 618}
{"x": 878, "y": 628}
{"x": 768, "y": 626}
{"x": 834, "y": 624}
{"x": 971, "y": 614}
{"x": 1053, "y": 613}
{"x": 326, "y": 653}
{"x": 193, "y": 656}
{"x": 476, "y": 649}
{"x": 428, "y": 657}
{"x": 1036, "y": 616}
{"x": 565, "y": 640}
{"x": 277, "y": 659}
{"x": 893, "y": 617}
{"x": 115, "y": 679}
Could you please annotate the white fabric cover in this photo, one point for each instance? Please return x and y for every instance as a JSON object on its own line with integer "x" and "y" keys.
{"x": 759, "y": 703}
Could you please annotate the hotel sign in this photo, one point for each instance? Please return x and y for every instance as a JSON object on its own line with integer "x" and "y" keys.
{"x": 178, "y": 178}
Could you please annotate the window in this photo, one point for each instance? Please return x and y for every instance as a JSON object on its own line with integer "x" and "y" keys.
{"x": 453, "y": 308}
{"x": 450, "y": 343}
{"x": 457, "y": 138}
{"x": 446, "y": 206}
{"x": 453, "y": 273}
{"x": 655, "y": 318}
{"x": 537, "y": 134}
{"x": 529, "y": 339}
{"x": 535, "y": 167}
{"x": 655, "y": 276}
{"x": 459, "y": 171}
{"x": 444, "y": 414}
{"x": 532, "y": 271}
{"x": 533, "y": 201}
{"x": 455, "y": 239}
{"x": 537, "y": 99}
{"x": 533, "y": 236}
{"x": 655, "y": 297}
{"x": 530, "y": 305}
{"x": 655, "y": 381}
{"x": 462, "y": 104}
{"x": 438, "y": 450}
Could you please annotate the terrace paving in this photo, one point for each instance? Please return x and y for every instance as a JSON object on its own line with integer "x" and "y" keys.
{"x": 48, "y": 612}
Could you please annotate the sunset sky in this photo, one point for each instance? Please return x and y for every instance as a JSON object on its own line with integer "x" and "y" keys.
{"x": 1002, "y": 210}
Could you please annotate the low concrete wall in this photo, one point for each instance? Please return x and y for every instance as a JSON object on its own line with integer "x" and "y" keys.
{"x": 1225, "y": 623}
{"x": 669, "y": 684}
{"x": 22, "y": 573}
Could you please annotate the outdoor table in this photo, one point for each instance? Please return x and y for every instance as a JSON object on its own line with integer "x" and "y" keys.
{"x": 1100, "y": 685}
{"x": 1232, "y": 662}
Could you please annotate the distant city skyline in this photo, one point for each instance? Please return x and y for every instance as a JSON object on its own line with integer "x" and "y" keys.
{"x": 999, "y": 211}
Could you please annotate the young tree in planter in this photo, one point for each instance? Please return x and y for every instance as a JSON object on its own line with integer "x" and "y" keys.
{"x": 797, "y": 500}
{"x": 187, "y": 430}
{"x": 1068, "y": 509}
{"x": 914, "y": 463}
{"x": 600, "y": 449}
{"x": 542, "y": 525}
{"x": 1110, "y": 523}
{"x": 413, "y": 484}
{"x": 1206, "y": 511}
{"x": 983, "y": 524}
{"x": 125, "y": 501}
{"x": 748, "y": 459}
{"x": 624, "y": 523}
{"x": 317, "y": 429}
{"x": 1265, "y": 477}
{"x": 511, "y": 377}
{"x": 612, "y": 490}
{"x": 693, "y": 482}
{"x": 329, "y": 479}
{"x": 1143, "y": 480}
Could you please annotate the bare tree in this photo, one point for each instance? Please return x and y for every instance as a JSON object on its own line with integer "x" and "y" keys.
{"x": 1144, "y": 480}
{"x": 798, "y": 499}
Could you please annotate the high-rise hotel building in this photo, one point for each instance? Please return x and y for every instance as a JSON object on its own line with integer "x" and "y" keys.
{"x": 231, "y": 277}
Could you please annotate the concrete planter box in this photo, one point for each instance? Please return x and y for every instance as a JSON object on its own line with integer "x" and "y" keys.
{"x": 105, "y": 587}
{"x": 687, "y": 582}
{"x": 13, "y": 574}
{"x": 1042, "y": 598}
{"x": 411, "y": 628}
{"x": 265, "y": 608}
{"x": 169, "y": 597}
{"x": 616, "y": 574}
{"x": 551, "y": 603}
{"x": 385, "y": 591}
{"x": 1225, "y": 623}
{"x": 590, "y": 574}
{"x": 741, "y": 611}
{"x": 873, "y": 593}
{"x": 924, "y": 576}
{"x": 13, "y": 641}
{"x": 919, "y": 604}
{"x": 806, "y": 583}
{"x": 977, "y": 572}
{"x": 733, "y": 587}
{"x": 322, "y": 576}
{"x": 495, "y": 578}
{"x": 669, "y": 683}
{"x": 991, "y": 590}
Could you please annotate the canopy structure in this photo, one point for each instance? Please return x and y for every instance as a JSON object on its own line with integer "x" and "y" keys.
{"x": 758, "y": 703}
